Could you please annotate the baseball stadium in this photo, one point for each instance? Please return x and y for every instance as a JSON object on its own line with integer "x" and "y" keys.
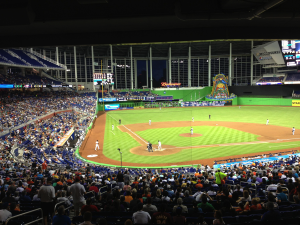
{"x": 149, "y": 112}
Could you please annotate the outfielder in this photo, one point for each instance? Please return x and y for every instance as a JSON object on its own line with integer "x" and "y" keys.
{"x": 267, "y": 122}
{"x": 193, "y": 119}
{"x": 159, "y": 146}
{"x": 97, "y": 145}
{"x": 112, "y": 127}
{"x": 149, "y": 122}
{"x": 192, "y": 131}
{"x": 293, "y": 130}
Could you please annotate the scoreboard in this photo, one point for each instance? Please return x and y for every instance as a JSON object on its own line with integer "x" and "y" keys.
{"x": 103, "y": 79}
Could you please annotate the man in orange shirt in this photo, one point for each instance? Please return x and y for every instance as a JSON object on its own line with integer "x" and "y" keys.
{"x": 199, "y": 184}
{"x": 44, "y": 165}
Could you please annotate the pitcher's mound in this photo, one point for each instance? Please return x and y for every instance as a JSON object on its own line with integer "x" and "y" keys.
{"x": 190, "y": 135}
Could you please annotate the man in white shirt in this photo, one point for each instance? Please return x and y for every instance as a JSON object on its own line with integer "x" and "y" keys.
{"x": 5, "y": 213}
{"x": 77, "y": 192}
{"x": 141, "y": 217}
{"x": 47, "y": 195}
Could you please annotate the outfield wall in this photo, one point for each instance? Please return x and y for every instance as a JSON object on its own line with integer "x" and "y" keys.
{"x": 262, "y": 101}
{"x": 185, "y": 95}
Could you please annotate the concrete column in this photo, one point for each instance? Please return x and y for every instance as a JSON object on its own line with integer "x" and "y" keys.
{"x": 151, "y": 82}
{"x": 147, "y": 75}
{"x": 125, "y": 73}
{"x": 85, "y": 70}
{"x": 111, "y": 60}
{"x": 198, "y": 74}
{"x": 251, "y": 64}
{"x": 170, "y": 64}
{"x": 135, "y": 74}
{"x": 75, "y": 66}
{"x": 230, "y": 64}
{"x": 57, "y": 60}
{"x": 178, "y": 69}
{"x": 93, "y": 66}
{"x": 116, "y": 75}
{"x": 189, "y": 68}
{"x": 66, "y": 72}
{"x": 131, "y": 69}
{"x": 44, "y": 53}
{"x": 209, "y": 65}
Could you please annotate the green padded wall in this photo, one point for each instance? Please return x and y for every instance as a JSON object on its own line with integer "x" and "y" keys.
{"x": 264, "y": 101}
{"x": 186, "y": 95}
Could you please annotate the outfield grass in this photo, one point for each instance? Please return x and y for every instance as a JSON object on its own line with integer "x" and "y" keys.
{"x": 280, "y": 116}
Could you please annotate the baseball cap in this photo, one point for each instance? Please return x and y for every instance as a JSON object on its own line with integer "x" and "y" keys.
{"x": 219, "y": 169}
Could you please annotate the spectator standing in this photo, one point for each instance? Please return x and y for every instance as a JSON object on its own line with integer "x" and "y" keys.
{"x": 120, "y": 180}
{"x": 219, "y": 177}
{"x": 47, "y": 195}
{"x": 77, "y": 191}
{"x": 179, "y": 218}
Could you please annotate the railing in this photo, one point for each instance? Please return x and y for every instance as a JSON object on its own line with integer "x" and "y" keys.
{"x": 46, "y": 58}
{"x": 29, "y": 212}
{"x": 61, "y": 203}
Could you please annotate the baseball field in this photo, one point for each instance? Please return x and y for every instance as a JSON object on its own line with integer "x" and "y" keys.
{"x": 230, "y": 132}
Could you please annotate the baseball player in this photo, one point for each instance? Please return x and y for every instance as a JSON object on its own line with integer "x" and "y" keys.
{"x": 149, "y": 122}
{"x": 293, "y": 130}
{"x": 119, "y": 121}
{"x": 267, "y": 122}
{"x": 192, "y": 131}
{"x": 159, "y": 146}
{"x": 239, "y": 107}
{"x": 97, "y": 145}
{"x": 209, "y": 116}
{"x": 112, "y": 127}
{"x": 193, "y": 119}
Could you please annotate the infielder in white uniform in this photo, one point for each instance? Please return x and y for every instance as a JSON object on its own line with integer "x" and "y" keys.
{"x": 112, "y": 127}
{"x": 267, "y": 122}
{"x": 159, "y": 146}
{"x": 293, "y": 130}
{"x": 193, "y": 119}
{"x": 149, "y": 122}
{"x": 192, "y": 131}
{"x": 97, "y": 145}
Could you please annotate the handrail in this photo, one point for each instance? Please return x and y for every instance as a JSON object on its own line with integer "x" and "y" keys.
{"x": 40, "y": 219}
{"x": 62, "y": 202}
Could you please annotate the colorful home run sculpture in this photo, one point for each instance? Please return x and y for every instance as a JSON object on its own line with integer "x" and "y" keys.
{"x": 220, "y": 88}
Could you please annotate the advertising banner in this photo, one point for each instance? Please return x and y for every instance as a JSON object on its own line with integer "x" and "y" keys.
{"x": 249, "y": 162}
{"x": 6, "y": 86}
{"x": 295, "y": 102}
{"x": 112, "y": 106}
{"x": 107, "y": 99}
{"x": 204, "y": 103}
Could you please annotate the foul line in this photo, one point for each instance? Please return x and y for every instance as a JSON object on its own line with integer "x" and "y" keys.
{"x": 131, "y": 131}
{"x": 112, "y": 132}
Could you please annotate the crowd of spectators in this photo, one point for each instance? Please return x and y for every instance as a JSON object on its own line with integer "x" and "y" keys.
{"x": 293, "y": 77}
{"x": 29, "y": 79}
{"x": 20, "y": 107}
{"x": 258, "y": 192}
{"x": 271, "y": 79}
